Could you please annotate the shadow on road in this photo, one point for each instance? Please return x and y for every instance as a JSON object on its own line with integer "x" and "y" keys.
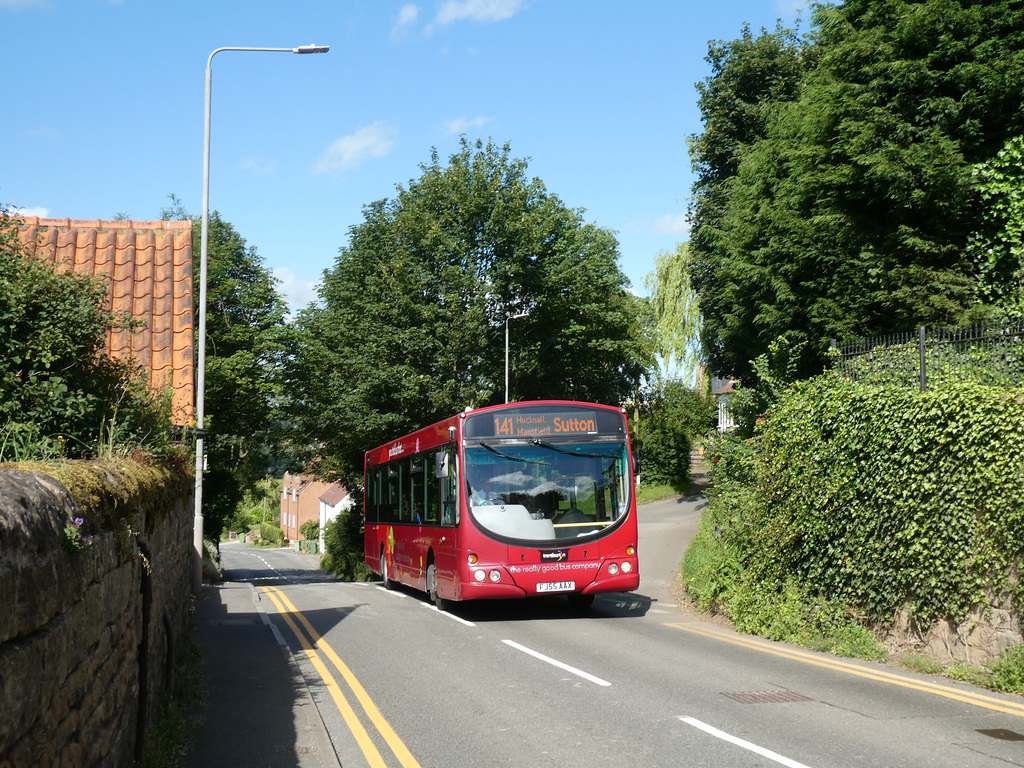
{"x": 609, "y": 605}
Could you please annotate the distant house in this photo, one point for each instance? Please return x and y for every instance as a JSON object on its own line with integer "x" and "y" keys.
{"x": 723, "y": 390}
{"x": 301, "y": 502}
{"x": 332, "y": 503}
{"x": 147, "y": 266}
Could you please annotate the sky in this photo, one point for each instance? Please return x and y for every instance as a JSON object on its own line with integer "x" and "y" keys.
{"x": 104, "y": 110}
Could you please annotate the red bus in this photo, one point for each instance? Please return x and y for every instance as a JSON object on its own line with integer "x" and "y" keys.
{"x": 507, "y": 501}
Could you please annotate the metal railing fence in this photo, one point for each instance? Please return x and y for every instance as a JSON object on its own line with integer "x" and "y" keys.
{"x": 985, "y": 353}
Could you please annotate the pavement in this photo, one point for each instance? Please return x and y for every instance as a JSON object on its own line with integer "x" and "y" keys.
{"x": 258, "y": 710}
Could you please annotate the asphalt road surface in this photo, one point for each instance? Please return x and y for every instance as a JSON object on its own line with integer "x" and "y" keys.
{"x": 634, "y": 681}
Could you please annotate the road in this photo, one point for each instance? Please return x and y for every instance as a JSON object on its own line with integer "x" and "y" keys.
{"x": 636, "y": 681}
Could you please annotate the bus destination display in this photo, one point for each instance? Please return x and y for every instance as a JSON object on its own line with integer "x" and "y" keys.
{"x": 545, "y": 424}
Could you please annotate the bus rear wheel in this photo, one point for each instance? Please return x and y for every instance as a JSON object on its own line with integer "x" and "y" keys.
{"x": 385, "y": 577}
{"x": 435, "y": 598}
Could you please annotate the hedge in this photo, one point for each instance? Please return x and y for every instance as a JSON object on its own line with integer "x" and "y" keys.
{"x": 880, "y": 499}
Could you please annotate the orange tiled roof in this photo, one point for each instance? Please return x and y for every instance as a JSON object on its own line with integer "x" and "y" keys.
{"x": 149, "y": 267}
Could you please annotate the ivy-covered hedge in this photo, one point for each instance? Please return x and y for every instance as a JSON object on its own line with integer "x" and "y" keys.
{"x": 877, "y": 499}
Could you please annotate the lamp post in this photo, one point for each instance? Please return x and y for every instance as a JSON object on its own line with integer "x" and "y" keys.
{"x": 197, "y": 530}
{"x": 507, "y": 318}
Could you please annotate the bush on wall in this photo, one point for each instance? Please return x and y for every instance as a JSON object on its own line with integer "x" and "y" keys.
{"x": 877, "y": 499}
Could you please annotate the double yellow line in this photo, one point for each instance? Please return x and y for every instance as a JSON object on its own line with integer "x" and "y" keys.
{"x": 311, "y": 641}
{"x": 945, "y": 691}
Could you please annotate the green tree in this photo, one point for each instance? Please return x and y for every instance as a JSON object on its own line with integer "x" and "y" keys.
{"x": 245, "y": 327}
{"x": 245, "y": 345}
{"x": 410, "y": 326}
{"x": 750, "y": 78}
{"x": 59, "y": 392}
{"x": 852, "y": 214}
{"x": 676, "y": 308}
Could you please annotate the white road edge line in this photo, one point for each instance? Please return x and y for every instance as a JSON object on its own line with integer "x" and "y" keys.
{"x": 555, "y": 663}
{"x": 741, "y": 743}
{"x": 452, "y": 616}
{"x": 265, "y": 618}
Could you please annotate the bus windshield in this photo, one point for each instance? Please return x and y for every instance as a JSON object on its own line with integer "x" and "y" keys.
{"x": 542, "y": 491}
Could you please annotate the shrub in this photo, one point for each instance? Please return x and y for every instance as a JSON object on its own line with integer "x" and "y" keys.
{"x": 271, "y": 533}
{"x": 310, "y": 530}
{"x": 343, "y": 547}
{"x": 59, "y": 393}
{"x": 673, "y": 417}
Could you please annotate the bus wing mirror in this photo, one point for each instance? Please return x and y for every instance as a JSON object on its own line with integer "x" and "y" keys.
{"x": 441, "y": 464}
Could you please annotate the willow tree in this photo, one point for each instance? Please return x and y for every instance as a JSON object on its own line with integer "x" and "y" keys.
{"x": 676, "y": 308}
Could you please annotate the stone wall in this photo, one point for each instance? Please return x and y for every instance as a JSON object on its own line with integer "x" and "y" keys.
{"x": 91, "y": 613}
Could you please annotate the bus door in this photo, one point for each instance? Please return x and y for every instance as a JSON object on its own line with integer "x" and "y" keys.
{"x": 446, "y": 560}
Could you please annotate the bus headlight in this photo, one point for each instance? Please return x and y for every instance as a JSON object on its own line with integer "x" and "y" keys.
{"x": 479, "y": 575}
{"x": 630, "y": 550}
{"x": 613, "y": 568}
{"x": 494, "y": 575}
{"x": 472, "y": 559}
{"x": 627, "y": 567}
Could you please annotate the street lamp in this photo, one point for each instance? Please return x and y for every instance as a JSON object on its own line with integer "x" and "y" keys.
{"x": 507, "y": 318}
{"x": 197, "y": 531}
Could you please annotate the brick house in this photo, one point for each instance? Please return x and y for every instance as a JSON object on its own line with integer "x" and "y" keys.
{"x": 301, "y": 502}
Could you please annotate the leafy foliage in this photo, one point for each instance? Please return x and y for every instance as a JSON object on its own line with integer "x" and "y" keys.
{"x": 343, "y": 545}
{"x": 245, "y": 344}
{"x": 751, "y": 77}
{"x": 271, "y": 533}
{"x": 670, "y": 419}
{"x": 310, "y": 530}
{"x": 848, "y": 208}
{"x": 59, "y": 393}
{"x": 676, "y": 311}
{"x": 875, "y": 499}
{"x": 999, "y": 245}
{"x": 410, "y": 326}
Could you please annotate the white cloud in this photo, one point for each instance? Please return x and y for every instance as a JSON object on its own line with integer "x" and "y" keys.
{"x": 452, "y": 11}
{"x": 259, "y": 167}
{"x": 462, "y": 124}
{"x": 42, "y": 213}
{"x": 298, "y": 293}
{"x": 347, "y": 152}
{"x": 673, "y": 224}
{"x": 41, "y": 131}
{"x": 407, "y": 16}
{"x": 791, "y": 8}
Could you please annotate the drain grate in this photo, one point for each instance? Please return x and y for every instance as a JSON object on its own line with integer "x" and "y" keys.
{"x": 766, "y": 697}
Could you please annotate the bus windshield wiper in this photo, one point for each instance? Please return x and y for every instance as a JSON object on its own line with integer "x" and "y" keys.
{"x": 550, "y": 447}
{"x": 504, "y": 455}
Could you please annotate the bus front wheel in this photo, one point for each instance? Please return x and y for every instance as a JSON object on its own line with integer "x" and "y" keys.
{"x": 435, "y": 598}
{"x": 385, "y": 577}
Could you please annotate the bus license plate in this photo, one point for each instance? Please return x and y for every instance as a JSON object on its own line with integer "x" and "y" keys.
{"x": 556, "y": 586}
